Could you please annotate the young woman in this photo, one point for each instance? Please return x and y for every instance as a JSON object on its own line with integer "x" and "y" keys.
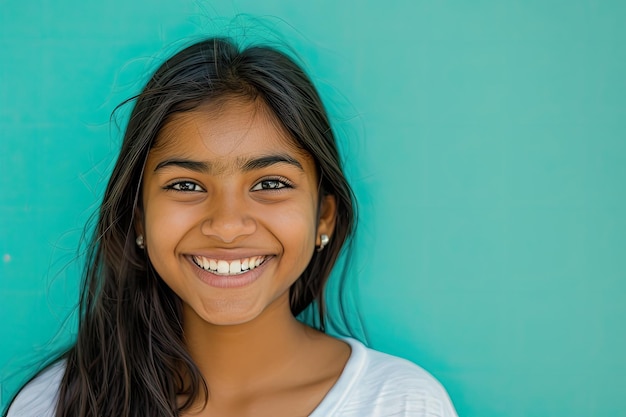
{"x": 223, "y": 217}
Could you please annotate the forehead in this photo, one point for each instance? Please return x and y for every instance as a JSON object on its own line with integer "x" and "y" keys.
{"x": 225, "y": 130}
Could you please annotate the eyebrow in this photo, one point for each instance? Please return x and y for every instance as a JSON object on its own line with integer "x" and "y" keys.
{"x": 245, "y": 165}
{"x": 183, "y": 163}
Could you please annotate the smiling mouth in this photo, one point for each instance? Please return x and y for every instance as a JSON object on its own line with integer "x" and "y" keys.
{"x": 234, "y": 267}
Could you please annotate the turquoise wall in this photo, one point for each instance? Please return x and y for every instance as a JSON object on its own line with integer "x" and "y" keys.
{"x": 486, "y": 141}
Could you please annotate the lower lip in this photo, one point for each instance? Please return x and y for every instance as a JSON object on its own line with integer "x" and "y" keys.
{"x": 229, "y": 281}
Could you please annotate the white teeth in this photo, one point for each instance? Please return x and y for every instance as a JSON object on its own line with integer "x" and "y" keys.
{"x": 222, "y": 267}
{"x": 234, "y": 267}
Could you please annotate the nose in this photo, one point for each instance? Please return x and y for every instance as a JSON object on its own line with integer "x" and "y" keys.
{"x": 228, "y": 218}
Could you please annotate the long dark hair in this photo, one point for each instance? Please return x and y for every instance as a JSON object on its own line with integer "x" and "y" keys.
{"x": 129, "y": 358}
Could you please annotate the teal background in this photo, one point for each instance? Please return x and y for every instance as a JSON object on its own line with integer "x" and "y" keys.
{"x": 486, "y": 141}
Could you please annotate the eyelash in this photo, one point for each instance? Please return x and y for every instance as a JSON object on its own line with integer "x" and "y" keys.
{"x": 282, "y": 184}
{"x": 176, "y": 187}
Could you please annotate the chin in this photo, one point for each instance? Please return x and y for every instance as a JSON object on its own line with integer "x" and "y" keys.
{"x": 233, "y": 312}
{"x": 229, "y": 316}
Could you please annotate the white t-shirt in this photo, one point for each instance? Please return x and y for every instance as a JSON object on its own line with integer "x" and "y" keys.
{"x": 373, "y": 384}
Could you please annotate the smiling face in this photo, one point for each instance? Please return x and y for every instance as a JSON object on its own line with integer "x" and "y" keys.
{"x": 230, "y": 211}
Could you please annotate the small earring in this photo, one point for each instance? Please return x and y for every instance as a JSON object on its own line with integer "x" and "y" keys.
{"x": 139, "y": 241}
{"x": 324, "y": 239}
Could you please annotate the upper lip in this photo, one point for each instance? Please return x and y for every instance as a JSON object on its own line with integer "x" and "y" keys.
{"x": 229, "y": 255}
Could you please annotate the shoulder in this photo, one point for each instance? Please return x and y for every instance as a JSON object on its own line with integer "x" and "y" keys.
{"x": 377, "y": 384}
{"x": 39, "y": 396}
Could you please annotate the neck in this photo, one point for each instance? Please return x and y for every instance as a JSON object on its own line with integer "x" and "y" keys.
{"x": 244, "y": 354}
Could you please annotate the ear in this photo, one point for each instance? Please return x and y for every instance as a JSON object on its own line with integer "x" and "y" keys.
{"x": 327, "y": 217}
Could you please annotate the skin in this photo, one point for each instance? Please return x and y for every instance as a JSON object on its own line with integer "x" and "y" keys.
{"x": 227, "y": 182}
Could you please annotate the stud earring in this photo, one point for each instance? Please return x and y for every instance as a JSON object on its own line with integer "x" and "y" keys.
{"x": 324, "y": 239}
{"x": 139, "y": 241}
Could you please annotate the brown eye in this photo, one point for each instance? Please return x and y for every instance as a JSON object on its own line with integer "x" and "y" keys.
{"x": 185, "y": 186}
{"x": 270, "y": 184}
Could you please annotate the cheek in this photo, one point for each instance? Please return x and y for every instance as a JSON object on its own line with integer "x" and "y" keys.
{"x": 166, "y": 221}
{"x": 297, "y": 230}
{"x": 165, "y": 227}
